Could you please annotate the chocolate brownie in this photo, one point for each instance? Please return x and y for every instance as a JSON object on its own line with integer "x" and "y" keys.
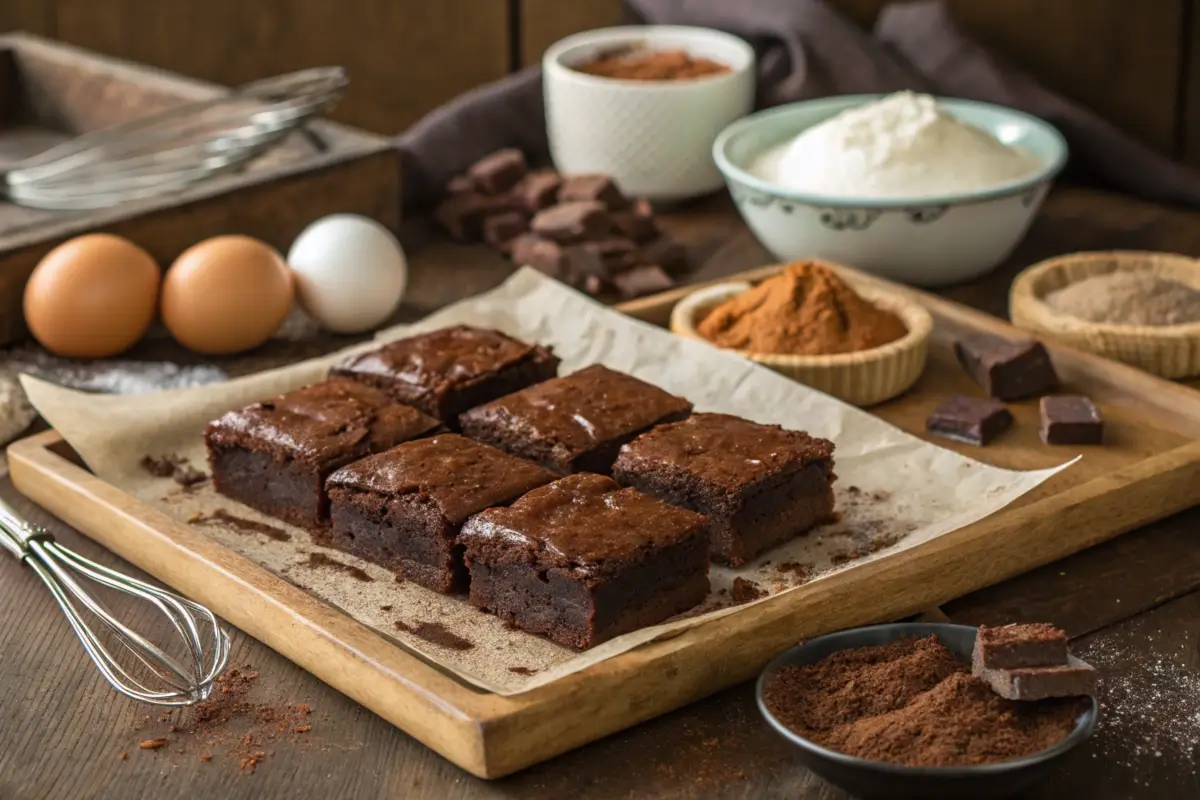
{"x": 447, "y": 371}
{"x": 403, "y": 508}
{"x": 582, "y": 560}
{"x": 1032, "y": 644}
{"x": 274, "y": 455}
{"x": 576, "y": 423}
{"x": 759, "y": 485}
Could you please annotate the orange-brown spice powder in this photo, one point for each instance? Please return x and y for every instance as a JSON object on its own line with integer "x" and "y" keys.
{"x": 807, "y": 310}
{"x": 652, "y": 65}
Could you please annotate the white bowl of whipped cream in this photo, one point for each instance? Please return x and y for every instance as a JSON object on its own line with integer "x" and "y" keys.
{"x": 923, "y": 190}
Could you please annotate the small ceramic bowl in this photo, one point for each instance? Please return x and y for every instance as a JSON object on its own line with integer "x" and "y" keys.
{"x": 876, "y": 779}
{"x": 653, "y": 137}
{"x": 1169, "y": 351}
{"x": 927, "y": 241}
{"x": 863, "y": 378}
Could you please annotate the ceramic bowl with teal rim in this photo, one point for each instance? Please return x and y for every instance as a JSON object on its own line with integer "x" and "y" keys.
{"x": 927, "y": 241}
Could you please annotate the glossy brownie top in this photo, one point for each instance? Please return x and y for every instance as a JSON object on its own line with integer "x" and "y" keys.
{"x": 724, "y": 450}
{"x": 581, "y": 410}
{"x": 322, "y": 424}
{"x": 584, "y": 521}
{"x": 460, "y": 475}
{"x": 444, "y": 358}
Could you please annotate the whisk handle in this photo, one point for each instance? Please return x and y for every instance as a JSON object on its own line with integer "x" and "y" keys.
{"x": 16, "y": 533}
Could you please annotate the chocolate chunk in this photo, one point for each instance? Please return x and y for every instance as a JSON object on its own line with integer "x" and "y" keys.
{"x": 640, "y": 228}
{"x": 1039, "y": 683}
{"x": 666, "y": 253}
{"x": 541, "y": 254}
{"x": 581, "y": 263}
{"x": 537, "y": 190}
{"x": 594, "y": 285}
{"x": 643, "y": 280}
{"x": 592, "y": 187}
{"x": 460, "y": 184}
{"x": 615, "y": 255}
{"x": 462, "y": 215}
{"x": 974, "y": 420}
{"x": 1025, "y": 645}
{"x": 499, "y": 171}
{"x": 1007, "y": 369}
{"x": 572, "y": 222}
{"x": 499, "y": 230}
{"x": 1070, "y": 419}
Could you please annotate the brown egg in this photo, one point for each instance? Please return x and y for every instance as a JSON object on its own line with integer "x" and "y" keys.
{"x": 92, "y": 296}
{"x": 226, "y": 294}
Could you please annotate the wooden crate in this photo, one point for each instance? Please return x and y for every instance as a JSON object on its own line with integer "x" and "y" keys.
{"x": 50, "y": 92}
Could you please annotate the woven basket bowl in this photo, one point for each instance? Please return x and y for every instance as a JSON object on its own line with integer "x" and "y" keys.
{"x": 863, "y": 378}
{"x": 1169, "y": 351}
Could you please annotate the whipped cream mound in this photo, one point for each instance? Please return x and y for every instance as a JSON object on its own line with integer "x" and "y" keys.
{"x": 903, "y": 145}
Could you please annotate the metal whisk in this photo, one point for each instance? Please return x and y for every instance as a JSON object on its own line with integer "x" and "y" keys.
{"x": 180, "y": 681}
{"x": 175, "y": 148}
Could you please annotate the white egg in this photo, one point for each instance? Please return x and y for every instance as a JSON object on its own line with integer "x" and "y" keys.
{"x": 350, "y": 272}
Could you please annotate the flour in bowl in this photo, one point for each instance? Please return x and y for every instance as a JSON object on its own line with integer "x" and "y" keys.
{"x": 901, "y": 146}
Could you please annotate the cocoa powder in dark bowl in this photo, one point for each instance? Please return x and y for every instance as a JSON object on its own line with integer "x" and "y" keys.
{"x": 892, "y": 711}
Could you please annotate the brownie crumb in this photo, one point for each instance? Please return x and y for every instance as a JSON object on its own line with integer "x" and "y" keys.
{"x": 322, "y": 561}
{"x": 240, "y": 524}
{"x": 153, "y": 744}
{"x": 745, "y": 591}
{"x": 801, "y": 572}
{"x": 526, "y": 671}
{"x": 161, "y": 466}
{"x": 385, "y": 608}
{"x": 436, "y": 633}
{"x": 188, "y": 476}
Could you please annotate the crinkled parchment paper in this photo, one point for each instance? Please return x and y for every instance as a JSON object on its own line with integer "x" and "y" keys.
{"x": 894, "y": 490}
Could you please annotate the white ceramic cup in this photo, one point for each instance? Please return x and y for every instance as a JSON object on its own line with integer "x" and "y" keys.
{"x": 654, "y": 138}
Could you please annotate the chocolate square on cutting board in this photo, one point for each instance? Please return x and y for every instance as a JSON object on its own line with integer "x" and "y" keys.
{"x": 1007, "y": 369}
{"x": 499, "y": 171}
{"x": 1072, "y": 679}
{"x": 1035, "y": 644}
{"x": 973, "y": 420}
{"x": 1070, "y": 419}
{"x": 572, "y": 222}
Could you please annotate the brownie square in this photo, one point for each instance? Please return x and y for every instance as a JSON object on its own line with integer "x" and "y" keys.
{"x": 576, "y": 423}
{"x": 447, "y": 371}
{"x": 581, "y": 561}
{"x": 759, "y": 485}
{"x": 274, "y": 455}
{"x": 403, "y": 508}
{"x": 1033, "y": 644}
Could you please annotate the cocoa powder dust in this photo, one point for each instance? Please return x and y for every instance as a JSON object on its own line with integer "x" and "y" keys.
{"x": 807, "y": 310}
{"x": 912, "y": 702}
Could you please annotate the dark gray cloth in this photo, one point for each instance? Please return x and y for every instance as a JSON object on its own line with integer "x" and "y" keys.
{"x": 808, "y": 49}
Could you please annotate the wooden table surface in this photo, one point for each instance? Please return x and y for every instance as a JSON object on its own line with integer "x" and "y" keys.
{"x": 1131, "y": 606}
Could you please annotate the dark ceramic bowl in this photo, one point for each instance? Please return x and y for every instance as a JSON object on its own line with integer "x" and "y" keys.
{"x": 872, "y": 779}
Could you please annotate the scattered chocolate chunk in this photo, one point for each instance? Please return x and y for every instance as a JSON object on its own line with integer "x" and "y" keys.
{"x": 500, "y": 230}
{"x": 1070, "y": 419}
{"x": 745, "y": 591}
{"x": 615, "y": 255}
{"x": 537, "y": 190}
{"x": 1035, "y": 644}
{"x": 186, "y": 475}
{"x": 592, "y": 187}
{"x": 459, "y": 184}
{"x": 1039, "y": 683}
{"x": 581, "y": 262}
{"x": 641, "y": 281}
{"x": 1007, "y": 369}
{"x": 973, "y": 420}
{"x": 666, "y": 252}
{"x": 541, "y": 254}
{"x": 499, "y": 171}
{"x": 638, "y": 227}
{"x": 572, "y": 222}
{"x": 161, "y": 467}
{"x": 462, "y": 215}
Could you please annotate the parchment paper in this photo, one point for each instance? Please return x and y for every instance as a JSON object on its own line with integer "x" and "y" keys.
{"x": 894, "y": 490}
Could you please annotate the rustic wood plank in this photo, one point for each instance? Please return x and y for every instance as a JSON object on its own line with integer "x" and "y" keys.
{"x": 34, "y": 16}
{"x": 544, "y": 22}
{"x": 403, "y": 58}
{"x": 1190, "y": 113}
{"x": 1127, "y": 66}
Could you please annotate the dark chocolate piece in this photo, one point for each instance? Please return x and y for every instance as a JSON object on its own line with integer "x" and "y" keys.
{"x": 462, "y": 215}
{"x": 402, "y": 509}
{"x": 500, "y": 230}
{"x": 446, "y": 371}
{"x": 643, "y": 280}
{"x": 1007, "y": 369}
{"x": 541, "y": 254}
{"x": 498, "y": 172}
{"x": 759, "y": 485}
{"x": 581, "y": 561}
{"x": 459, "y": 184}
{"x": 576, "y": 423}
{"x": 592, "y": 187}
{"x": 1040, "y": 683}
{"x": 973, "y": 420}
{"x": 667, "y": 253}
{"x": 1070, "y": 419}
{"x": 274, "y": 456}
{"x": 1036, "y": 644}
{"x": 572, "y": 222}
{"x": 636, "y": 226}
{"x": 537, "y": 190}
